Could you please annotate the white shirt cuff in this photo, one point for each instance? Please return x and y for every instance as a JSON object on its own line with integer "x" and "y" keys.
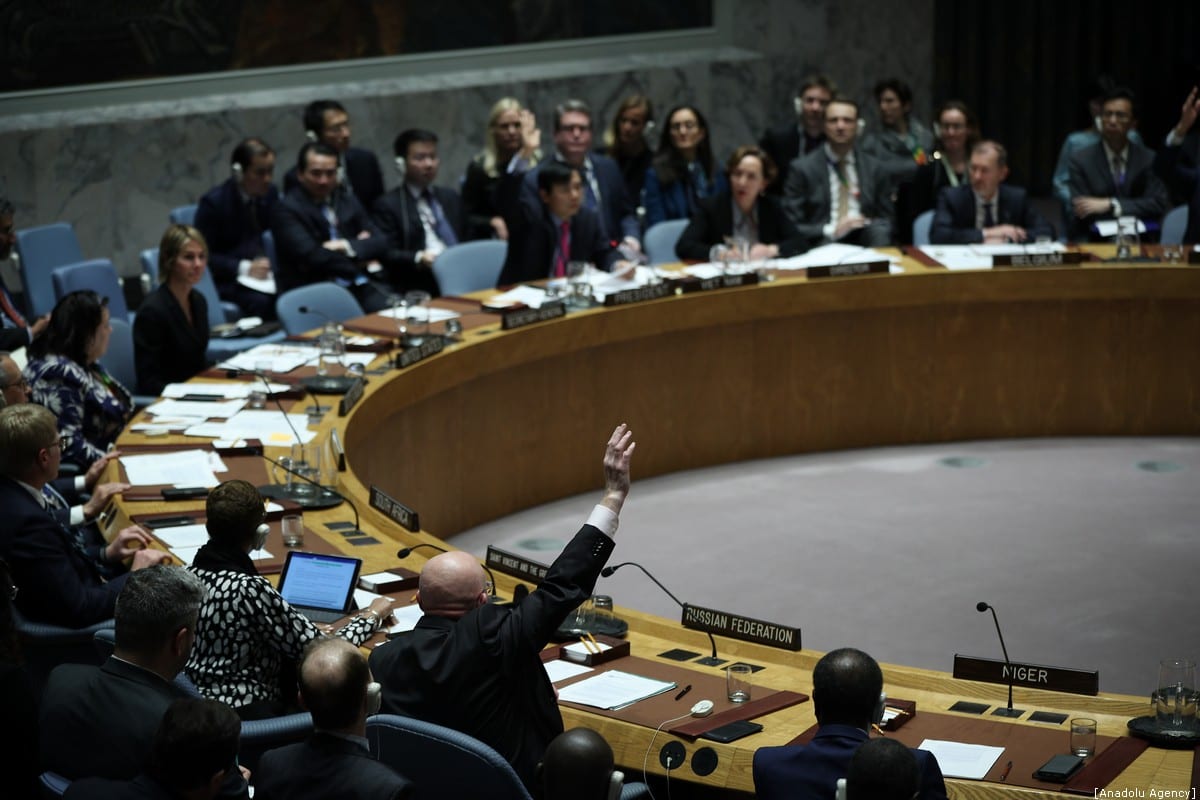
{"x": 1116, "y": 207}
{"x": 604, "y": 519}
{"x": 829, "y": 229}
{"x": 80, "y": 483}
{"x": 1172, "y": 139}
{"x": 77, "y": 517}
{"x": 244, "y": 267}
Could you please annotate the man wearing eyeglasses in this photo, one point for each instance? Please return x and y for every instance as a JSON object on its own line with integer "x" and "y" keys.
{"x": 1114, "y": 177}
{"x": 63, "y": 580}
{"x": 474, "y": 666}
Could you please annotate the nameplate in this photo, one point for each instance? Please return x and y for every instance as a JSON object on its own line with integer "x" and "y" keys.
{"x": 639, "y": 295}
{"x": 1038, "y": 260}
{"x": 352, "y": 396}
{"x": 849, "y": 270}
{"x": 739, "y": 627}
{"x": 424, "y": 350}
{"x": 1034, "y": 676}
{"x": 394, "y": 510}
{"x": 520, "y": 317}
{"x": 339, "y": 452}
{"x": 514, "y": 565}
{"x": 688, "y": 285}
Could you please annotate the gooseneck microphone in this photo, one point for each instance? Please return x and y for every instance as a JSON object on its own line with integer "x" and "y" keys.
{"x": 607, "y": 572}
{"x": 328, "y": 491}
{"x": 325, "y": 384}
{"x": 981, "y": 607}
{"x": 318, "y": 312}
{"x": 405, "y": 552}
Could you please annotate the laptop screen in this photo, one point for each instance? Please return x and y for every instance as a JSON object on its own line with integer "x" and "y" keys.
{"x": 316, "y": 580}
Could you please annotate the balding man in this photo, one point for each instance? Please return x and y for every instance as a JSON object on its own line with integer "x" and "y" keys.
{"x": 336, "y": 761}
{"x": 473, "y": 666}
{"x": 579, "y": 766}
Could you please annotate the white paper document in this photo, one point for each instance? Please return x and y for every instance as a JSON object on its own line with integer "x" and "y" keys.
{"x": 226, "y": 390}
{"x": 183, "y": 536}
{"x": 265, "y": 285}
{"x": 833, "y": 254}
{"x": 435, "y": 314}
{"x": 531, "y": 296}
{"x": 613, "y": 690}
{"x": 979, "y": 256}
{"x": 203, "y": 409}
{"x": 180, "y": 468}
{"x": 406, "y": 618}
{"x": 266, "y": 425}
{"x": 272, "y": 358}
{"x": 560, "y": 670}
{"x": 958, "y": 760}
{"x": 1109, "y": 227}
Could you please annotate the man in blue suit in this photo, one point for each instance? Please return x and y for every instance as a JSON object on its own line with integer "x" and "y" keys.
{"x": 61, "y": 580}
{"x": 987, "y": 210}
{"x": 603, "y": 187}
{"x": 233, "y": 217}
{"x": 847, "y": 697}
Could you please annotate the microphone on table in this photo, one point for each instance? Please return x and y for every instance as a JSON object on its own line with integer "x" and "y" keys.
{"x": 325, "y": 384}
{"x": 310, "y": 310}
{"x": 607, "y": 572}
{"x": 276, "y": 492}
{"x": 981, "y": 607}
{"x": 405, "y": 552}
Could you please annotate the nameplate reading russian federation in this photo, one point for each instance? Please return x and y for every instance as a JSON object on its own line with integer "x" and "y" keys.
{"x": 738, "y": 627}
{"x": 848, "y": 270}
{"x": 520, "y": 317}
{"x": 1036, "y": 676}
{"x": 352, "y": 396}
{"x": 688, "y": 285}
{"x": 510, "y": 564}
{"x": 1038, "y": 260}
{"x": 639, "y": 295}
{"x": 394, "y": 510}
{"x": 412, "y": 355}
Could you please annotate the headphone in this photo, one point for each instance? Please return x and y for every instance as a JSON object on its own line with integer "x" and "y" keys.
{"x": 374, "y": 697}
{"x": 237, "y": 171}
{"x": 401, "y": 167}
{"x": 260, "y": 536}
{"x": 311, "y": 136}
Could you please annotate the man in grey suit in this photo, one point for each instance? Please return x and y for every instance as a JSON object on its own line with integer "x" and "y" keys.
{"x": 1115, "y": 177}
{"x": 838, "y": 193}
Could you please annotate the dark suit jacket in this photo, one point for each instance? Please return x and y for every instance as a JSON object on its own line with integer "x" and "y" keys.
{"x": 1142, "y": 195}
{"x": 618, "y": 214}
{"x": 1178, "y": 162}
{"x": 954, "y": 221}
{"x": 811, "y": 772}
{"x": 362, "y": 173}
{"x": 100, "y": 721}
{"x": 58, "y": 583}
{"x": 166, "y": 349}
{"x": 713, "y": 221}
{"x": 806, "y": 198}
{"x": 11, "y": 338}
{"x": 225, "y": 220}
{"x": 783, "y": 145}
{"x": 326, "y": 766}
{"x": 531, "y": 246}
{"x": 396, "y": 215}
{"x": 481, "y": 674}
{"x": 300, "y": 230}
{"x": 142, "y": 787}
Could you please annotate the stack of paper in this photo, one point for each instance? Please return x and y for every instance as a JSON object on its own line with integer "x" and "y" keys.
{"x": 979, "y": 256}
{"x": 177, "y": 468}
{"x": 613, "y": 690}
{"x": 267, "y": 425}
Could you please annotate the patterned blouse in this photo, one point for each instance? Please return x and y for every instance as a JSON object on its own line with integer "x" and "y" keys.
{"x": 92, "y": 407}
{"x": 245, "y": 632}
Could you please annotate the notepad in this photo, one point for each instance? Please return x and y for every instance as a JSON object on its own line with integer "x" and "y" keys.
{"x": 614, "y": 690}
{"x": 959, "y": 760}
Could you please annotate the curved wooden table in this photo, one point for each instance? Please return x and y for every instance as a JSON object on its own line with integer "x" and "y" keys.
{"x": 507, "y": 420}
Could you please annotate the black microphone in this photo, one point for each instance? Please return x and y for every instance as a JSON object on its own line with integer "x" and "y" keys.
{"x": 310, "y": 310}
{"x": 325, "y": 384}
{"x": 328, "y": 491}
{"x": 712, "y": 660}
{"x": 981, "y": 607}
{"x": 405, "y": 552}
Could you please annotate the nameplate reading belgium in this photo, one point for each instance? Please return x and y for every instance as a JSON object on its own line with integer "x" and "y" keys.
{"x": 738, "y": 627}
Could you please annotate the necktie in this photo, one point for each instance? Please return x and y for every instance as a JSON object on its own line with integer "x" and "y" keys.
{"x": 441, "y": 225}
{"x": 1118, "y": 166}
{"x": 843, "y": 206}
{"x": 989, "y": 220}
{"x": 331, "y": 218}
{"x": 564, "y": 249}
{"x": 589, "y": 190}
{"x": 10, "y": 311}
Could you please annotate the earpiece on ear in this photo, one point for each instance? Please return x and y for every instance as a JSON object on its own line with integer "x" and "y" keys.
{"x": 311, "y": 136}
{"x": 236, "y": 169}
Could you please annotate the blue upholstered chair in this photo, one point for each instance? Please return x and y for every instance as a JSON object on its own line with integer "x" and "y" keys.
{"x": 97, "y": 274}
{"x": 326, "y": 301}
{"x": 660, "y": 239}
{"x": 1173, "y": 225}
{"x": 45, "y": 646}
{"x": 52, "y": 785}
{"x": 921, "y": 227}
{"x": 119, "y": 360}
{"x": 42, "y": 250}
{"x": 183, "y": 215}
{"x": 470, "y": 266}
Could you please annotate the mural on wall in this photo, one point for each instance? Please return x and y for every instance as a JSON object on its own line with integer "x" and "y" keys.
{"x": 53, "y": 43}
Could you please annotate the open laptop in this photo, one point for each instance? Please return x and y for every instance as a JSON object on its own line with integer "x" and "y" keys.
{"x": 319, "y": 586}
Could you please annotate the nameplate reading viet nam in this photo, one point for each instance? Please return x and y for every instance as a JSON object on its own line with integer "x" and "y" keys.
{"x": 396, "y": 511}
{"x": 736, "y": 626}
{"x": 514, "y": 565}
{"x": 1037, "y": 676}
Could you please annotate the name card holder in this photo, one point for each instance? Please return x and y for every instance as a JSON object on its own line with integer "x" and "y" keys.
{"x": 412, "y": 355}
{"x": 849, "y": 270}
{"x": 516, "y": 566}
{"x": 520, "y": 317}
{"x": 352, "y": 396}
{"x": 693, "y": 284}
{"x": 339, "y": 451}
{"x": 394, "y": 510}
{"x": 736, "y": 626}
{"x": 1033, "y": 676}
{"x": 1069, "y": 259}
{"x": 641, "y": 294}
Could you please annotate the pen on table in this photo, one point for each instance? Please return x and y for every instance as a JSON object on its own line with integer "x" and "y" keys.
{"x": 1007, "y": 769}
{"x": 587, "y": 645}
{"x": 684, "y": 691}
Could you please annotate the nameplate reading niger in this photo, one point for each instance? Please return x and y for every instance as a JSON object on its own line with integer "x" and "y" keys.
{"x": 848, "y": 270}
{"x": 514, "y": 565}
{"x": 521, "y": 317}
{"x": 738, "y": 627}
{"x": 394, "y": 510}
{"x": 421, "y": 352}
{"x": 639, "y": 295}
{"x": 352, "y": 396}
{"x": 1036, "y": 676}
{"x": 1038, "y": 260}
